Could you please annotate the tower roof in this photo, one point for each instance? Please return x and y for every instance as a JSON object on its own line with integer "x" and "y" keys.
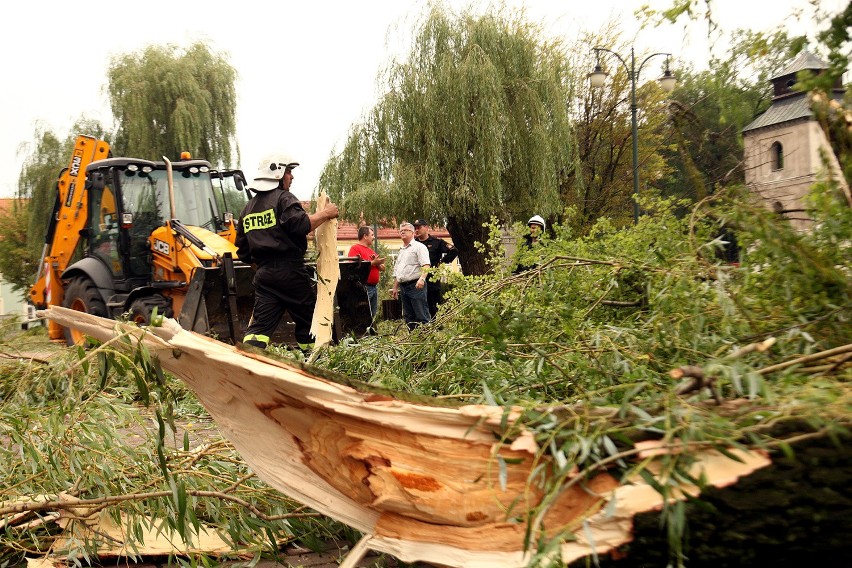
{"x": 781, "y": 111}
{"x": 804, "y": 61}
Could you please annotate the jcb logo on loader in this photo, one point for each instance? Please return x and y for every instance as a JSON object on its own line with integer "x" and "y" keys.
{"x": 161, "y": 247}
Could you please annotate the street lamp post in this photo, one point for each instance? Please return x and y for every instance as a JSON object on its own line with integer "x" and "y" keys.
{"x": 667, "y": 82}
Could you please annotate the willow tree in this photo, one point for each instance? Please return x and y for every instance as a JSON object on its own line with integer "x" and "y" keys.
{"x": 166, "y": 100}
{"x": 473, "y": 125}
{"x": 22, "y": 230}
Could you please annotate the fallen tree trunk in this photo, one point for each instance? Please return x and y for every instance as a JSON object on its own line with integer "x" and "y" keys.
{"x": 796, "y": 512}
{"x": 422, "y": 481}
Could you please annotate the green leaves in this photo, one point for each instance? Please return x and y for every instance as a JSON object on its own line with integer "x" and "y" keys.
{"x": 474, "y": 123}
{"x": 582, "y": 347}
{"x": 168, "y": 100}
{"x": 77, "y": 426}
{"x": 584, "y": 343}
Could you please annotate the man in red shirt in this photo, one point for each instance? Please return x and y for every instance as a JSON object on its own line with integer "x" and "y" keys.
{"x": 377, "y": 264}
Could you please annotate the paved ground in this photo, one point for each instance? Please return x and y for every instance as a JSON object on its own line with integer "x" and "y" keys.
{"x": 296, "y": 558}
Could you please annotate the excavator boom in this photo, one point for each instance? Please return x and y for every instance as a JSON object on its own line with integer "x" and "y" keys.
{"x": 69, "y": 216}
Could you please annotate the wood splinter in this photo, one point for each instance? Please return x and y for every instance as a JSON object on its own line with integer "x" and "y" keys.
{"x": 698, "y": 381}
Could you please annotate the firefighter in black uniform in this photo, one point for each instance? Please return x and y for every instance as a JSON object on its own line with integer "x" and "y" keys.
{"x": 272, "y": 233}
{"x": 439, "y": 251}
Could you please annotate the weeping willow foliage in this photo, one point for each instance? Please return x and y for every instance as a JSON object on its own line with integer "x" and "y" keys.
{"x": 618, "y": 307}
{"x": 37, "y": 184}
{"x": 17, "y": 260}
{"x": 167, "y": 100}
{"x": 473, "y": 124}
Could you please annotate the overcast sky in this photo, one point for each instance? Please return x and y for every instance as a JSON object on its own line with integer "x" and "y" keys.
{"x": 307, "y": 69}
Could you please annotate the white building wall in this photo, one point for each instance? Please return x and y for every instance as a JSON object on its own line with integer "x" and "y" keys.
{"x": 803, "y": 145}
{"x": 11, "y": 302}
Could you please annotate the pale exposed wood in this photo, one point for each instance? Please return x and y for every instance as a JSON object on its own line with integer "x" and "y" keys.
{"x": 357, "y": 553}
{"x": 807, "y": 359}
{"x": 328, "y": 275}
{"x": 80, "y": 522}
{"x": 422, "y": 480}
{"x": 159, "y": 539}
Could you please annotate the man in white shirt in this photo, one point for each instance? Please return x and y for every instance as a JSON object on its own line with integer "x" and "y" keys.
{"x": 409, "y": 278}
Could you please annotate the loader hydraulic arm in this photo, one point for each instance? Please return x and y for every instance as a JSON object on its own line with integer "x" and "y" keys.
{"x": 181, "y": 230}
{"x": 68, "y": 219}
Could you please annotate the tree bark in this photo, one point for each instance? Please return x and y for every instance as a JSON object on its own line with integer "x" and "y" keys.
{"x": 795, "y": 513}
{"x": 465, "y": 236}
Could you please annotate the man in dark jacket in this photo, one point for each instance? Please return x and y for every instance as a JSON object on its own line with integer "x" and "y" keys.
{"x": 439, "y": 251}
{"x": 272, "y": 233}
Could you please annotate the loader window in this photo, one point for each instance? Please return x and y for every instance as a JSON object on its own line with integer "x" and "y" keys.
{"x": 104, "y": 230}
{"x": 230, "y": 195}
{"x": 194, "y": 200}
{"x": 144, "y": 197}
{"x": 190, "y": 200}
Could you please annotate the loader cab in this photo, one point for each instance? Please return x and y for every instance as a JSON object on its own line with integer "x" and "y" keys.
{"x": 129, "y": 198}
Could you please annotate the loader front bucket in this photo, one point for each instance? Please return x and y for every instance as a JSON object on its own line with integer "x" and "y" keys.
{"x": 219, "y": 301}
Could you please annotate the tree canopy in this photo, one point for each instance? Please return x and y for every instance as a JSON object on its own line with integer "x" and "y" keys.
{"x": 23, "y": 228}
{"x": 167, "y": 100}
{"x": 709, "y": 110}
{"x": 737, "y": 88}
{"x": 601, "y": 182}
{"x": 473, "y": 124}
{"x": 164, "y": 100}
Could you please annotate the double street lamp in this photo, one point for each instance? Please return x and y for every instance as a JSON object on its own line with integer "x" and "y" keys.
{"x": 667, "y": 83}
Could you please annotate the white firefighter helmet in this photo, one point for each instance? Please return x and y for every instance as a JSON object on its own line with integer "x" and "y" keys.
{"x": 270, "y": 171}
{"x": 536, "y": 220}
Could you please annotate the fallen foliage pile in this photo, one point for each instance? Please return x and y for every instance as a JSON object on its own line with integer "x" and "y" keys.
{"x": 647, "y": 334}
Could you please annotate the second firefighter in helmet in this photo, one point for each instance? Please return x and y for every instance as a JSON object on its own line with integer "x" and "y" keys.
{"x": 536, "y": 227}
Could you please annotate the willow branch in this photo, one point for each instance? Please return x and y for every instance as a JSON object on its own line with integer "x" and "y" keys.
{"x": 760, "y": 347}
{"x": 806, "y": 359}
{"x": 31, "y": 359}
{"x": 100, "y": 348}
{"x": 68, "y": 504}
{"x": 599, "y": 300}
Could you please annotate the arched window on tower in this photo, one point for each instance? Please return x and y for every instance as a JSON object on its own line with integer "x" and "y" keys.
{"x": 776, "y": 156}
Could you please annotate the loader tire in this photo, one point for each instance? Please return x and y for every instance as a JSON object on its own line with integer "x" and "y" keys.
{"x": 82, "y": 295}
{"x": 142, "y": 309}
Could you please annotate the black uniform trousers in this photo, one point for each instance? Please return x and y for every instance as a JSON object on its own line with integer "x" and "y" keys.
{"x": 280, "y": 286}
